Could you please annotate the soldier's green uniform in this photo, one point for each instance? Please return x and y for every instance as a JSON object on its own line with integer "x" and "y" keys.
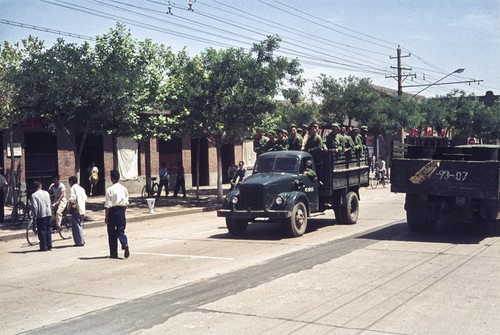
{"x": 280, "y": 144}
{"x": 270, "y": 143}
{"x": 259, "y": 143}
{"x": 295, "y": 143}
{"x": 349, "y": 143}
{"x": 314, "y": 144}
{"x": 334, "y": 140}
{"x": 357, "y": 140}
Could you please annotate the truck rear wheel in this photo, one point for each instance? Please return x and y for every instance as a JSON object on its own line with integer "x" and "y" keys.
{"x": 298, "y": 222}
{"x": 350, "y": 212}
{"x": 236, "y": 227}
{"x": 418, "y": 224}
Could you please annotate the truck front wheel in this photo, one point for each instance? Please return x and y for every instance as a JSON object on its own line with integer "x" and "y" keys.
{"x": 298, "y": 222}
{"x": 418, "y": 224}
{"x": 236, "y": 227}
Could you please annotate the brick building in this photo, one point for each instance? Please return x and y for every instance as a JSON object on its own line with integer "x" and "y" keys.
{"x": 39, "y": 153}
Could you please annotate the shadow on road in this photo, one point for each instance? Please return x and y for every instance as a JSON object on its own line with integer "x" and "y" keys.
{"x": 444, "y": 233}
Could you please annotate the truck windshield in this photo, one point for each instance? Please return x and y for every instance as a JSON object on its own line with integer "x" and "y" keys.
{"x": 277, "y": 164}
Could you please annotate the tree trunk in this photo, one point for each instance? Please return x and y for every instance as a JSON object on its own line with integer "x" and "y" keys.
{"x": 11, "y": 177}
{"x": 220, "y": 193}
{"x": 198, "y": 169}
{"x": 147, "y": 163}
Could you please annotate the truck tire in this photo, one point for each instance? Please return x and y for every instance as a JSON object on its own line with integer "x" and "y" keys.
{"x": 418, "y": 224}
{"x": 236, "y": 227}
{"x": 298, "y": 221}
{"x": 350, "y": 212}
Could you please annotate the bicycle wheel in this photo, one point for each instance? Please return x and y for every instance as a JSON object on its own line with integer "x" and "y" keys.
{"x": 154, "y": 190}
{"x": 27, "y": 211}
{"x": 65, "y": 229}
{"x": 32, "y": 232}
{"x": 18, "y": 213}
{"x": 144, "y": 194}
{"x": 373, "y": 183}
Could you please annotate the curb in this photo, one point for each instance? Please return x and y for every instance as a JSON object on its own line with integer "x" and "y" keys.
{"x": 137, "y": 218}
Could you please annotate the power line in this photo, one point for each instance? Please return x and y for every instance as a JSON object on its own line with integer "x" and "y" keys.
{"x": 47, "y": 30}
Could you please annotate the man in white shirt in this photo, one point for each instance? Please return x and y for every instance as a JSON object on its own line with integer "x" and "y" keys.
{"x": 40, "y": 200}
{"x": 76, "y": 206}
{"x": 59, "y": 191}
{"x": 115, "y": 204}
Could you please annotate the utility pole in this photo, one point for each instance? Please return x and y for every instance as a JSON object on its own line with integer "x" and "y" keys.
{"x": 400, "y": 69}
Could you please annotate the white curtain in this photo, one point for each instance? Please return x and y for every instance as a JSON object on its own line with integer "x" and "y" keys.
{"x": 128, "y": 151}
{"x": 248, "y": 154}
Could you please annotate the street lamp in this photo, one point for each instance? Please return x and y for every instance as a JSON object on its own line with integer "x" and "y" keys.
{"x": 459, "y": 70}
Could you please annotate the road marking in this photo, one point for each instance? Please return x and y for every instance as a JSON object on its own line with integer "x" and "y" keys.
{"x": 183, "y": 256}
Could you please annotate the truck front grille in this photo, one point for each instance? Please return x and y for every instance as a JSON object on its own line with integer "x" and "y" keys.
{"x": 252, "y": 196}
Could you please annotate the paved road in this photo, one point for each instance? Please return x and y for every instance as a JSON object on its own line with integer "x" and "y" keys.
{"x": 187, "y": 276}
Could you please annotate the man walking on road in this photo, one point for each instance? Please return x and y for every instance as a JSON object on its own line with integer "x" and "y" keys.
{"x": 115, "y": 204}
{"x": 76, "y": 201}
{"x": 42, "y": 212}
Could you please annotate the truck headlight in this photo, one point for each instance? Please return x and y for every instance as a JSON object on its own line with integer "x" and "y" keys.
{"x": 460, "y": 201}
{"x": 279, "y": 200}
{"x": 234, "y": 200}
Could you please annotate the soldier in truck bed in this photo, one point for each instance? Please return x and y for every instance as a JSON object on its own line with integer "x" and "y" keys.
{"x": 334, "y": 140}
{"x": 314, "y": 143}
{"x": 259, "y": 141}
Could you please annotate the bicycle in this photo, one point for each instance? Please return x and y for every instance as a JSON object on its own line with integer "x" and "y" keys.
{"x": 21, "y": 211}
{"x": 374, "y": 182}
{"x": 150, "y": 191}
{"x": 64, "y": 231}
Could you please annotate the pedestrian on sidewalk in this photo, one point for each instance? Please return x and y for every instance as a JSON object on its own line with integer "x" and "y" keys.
{"x": 58, "y": 190}
{"x": 180, "y": 182}
{"x": 3, "y": 186}
{"x": 163, "y": 179}
{"x": 115, "y": 205}
{"x": 40, "y": 200}
{"x": 76, "y": 206}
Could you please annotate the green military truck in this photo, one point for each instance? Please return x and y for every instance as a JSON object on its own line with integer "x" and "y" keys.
{"x": 290, "y": 186}
{"x": 448, "y": 184}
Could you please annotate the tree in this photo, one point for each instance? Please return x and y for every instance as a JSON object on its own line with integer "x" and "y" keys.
{"x": 342, "y": 99}
{"x": 227, "y": 92}
{"x": 11, "y": 57}
{"x": 109, "y": 89}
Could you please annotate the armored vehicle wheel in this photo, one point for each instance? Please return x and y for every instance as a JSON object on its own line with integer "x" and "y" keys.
{"x": 418, "y": 224}
{"x": 298, "y": 221}
{"x": 236, "y": 227}
{"x": 350, "y": 211}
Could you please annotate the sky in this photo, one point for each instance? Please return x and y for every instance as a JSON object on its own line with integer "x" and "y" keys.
{"x": 338, "y": 38}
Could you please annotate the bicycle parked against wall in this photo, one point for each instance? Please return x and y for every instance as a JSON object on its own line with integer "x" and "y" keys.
{"x": 64, "y": 231}
{"x": 150, "y": 191}
{"x": 21, "y": 211}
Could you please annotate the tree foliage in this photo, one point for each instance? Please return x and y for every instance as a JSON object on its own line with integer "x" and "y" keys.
{"x": 227, "y": 92}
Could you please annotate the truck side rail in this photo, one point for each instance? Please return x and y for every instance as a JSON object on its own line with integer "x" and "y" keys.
{"x": 342, "y": 171}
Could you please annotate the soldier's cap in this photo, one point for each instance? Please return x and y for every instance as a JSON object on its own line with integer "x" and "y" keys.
{"x": 304, "y": 126}
{"x": 313, "y": 125}
{"x": 335, "y": 126}
{"x": 293, "y": 125}
{"x": 279, "y": 131}
{"x": 355, "y": 130}
{"x": 259, "y": 129}
{"x": 284, "y": 131}
{"x": 364, "y": 128}
{"x": 271, "y": 133}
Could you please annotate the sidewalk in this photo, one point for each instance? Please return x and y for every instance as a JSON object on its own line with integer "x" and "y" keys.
{"x": 137, "y": 211}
